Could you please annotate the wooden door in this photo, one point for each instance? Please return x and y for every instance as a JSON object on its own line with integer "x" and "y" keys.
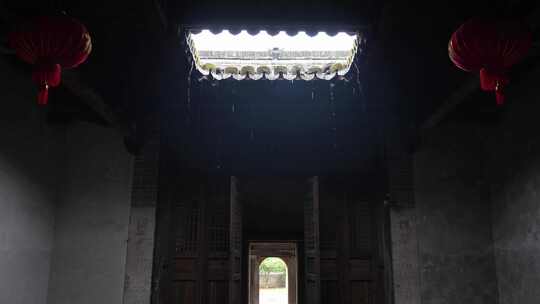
{"x": 311, "y": 243}
{"x": 187, "y": 222}
{"x": 235, "y": 245}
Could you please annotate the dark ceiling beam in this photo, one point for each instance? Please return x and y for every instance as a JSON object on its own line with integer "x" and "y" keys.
{"x": 534, "y": 19}
{"x": 6, "y": 18}
{"x": 88, "y": 96}
{"x": 472, "y": 84}
{"x": 160, "y": 7}
{"x": 457, "y": 97}
{"x": 6, "y": 15}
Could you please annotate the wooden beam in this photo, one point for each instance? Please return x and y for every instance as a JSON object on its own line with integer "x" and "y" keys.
{"x": 160, "y": 7}
{"x": 458, "y": 96}
{"x": 88, "y": 96}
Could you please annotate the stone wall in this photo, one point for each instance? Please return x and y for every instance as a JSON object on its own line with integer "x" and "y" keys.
{"x": 514, "y": 175}
{"x": 64, "y": 203}
{"x": 456, "y": 260}
{"x": 30, "y": 169}
{"x": 92, "y": 219}
{"x": 477, "y": 205}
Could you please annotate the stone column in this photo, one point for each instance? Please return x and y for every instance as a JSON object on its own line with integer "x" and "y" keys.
{"x": 140, "y": 247}
{"x": 404, "y": 255}
{"x": 404, "y": 241}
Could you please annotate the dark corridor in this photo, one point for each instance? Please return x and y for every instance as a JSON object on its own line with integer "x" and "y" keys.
{"x": 337, "y": 225}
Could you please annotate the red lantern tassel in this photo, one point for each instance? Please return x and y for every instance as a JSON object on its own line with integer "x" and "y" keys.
{"x": 499, "y": 94}
{"x": 43, "y": 95}
{"x": 494, "y": 81}
{"x": 46, "y": 75}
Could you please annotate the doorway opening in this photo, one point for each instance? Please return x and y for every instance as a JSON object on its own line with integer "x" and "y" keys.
{"x": 273, "y": 287}
{"x": 272, "y": 273}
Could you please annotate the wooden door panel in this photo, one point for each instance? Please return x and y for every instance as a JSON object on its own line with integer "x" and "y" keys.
{"x": 330, "y": 292}
{"x": 218, "y": 292}
{"x": 235, "y": 245}
{"x": 185, "y": 292}
{"x": 360, "y": 292}
{"x": 311, "y": 243}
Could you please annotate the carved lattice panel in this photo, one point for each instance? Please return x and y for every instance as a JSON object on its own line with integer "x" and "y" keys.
{"x": 361, "y": 232}
{"x": 218, "y": 228}
{"x": 330, "y": 292}
{"x": 329, "y": 224}
{"x": 187, "y": 217}
{"x": 235, "y": 257}
{"x": 309, "y": 227}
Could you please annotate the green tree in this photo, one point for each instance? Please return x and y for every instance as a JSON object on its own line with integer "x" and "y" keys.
{"x": 271, "y": 265}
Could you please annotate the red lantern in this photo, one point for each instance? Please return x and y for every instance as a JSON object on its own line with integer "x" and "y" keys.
{"x": 490, "y": 47}
{"x": 50, "y": 44}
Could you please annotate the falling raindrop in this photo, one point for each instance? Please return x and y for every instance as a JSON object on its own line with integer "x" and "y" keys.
{"x": 233, "y": 108}
{"x": 218, "y": 153}
{"x": 213, "y": 81}
{"x": 313, "y": 89}
{"x": 189, "y": 86}
{"x": 360, "y": 88}
{"x": 331, "y": 92}
{"x": 219, "y": 142}
{"x": 333, "y": 115}
{"x": 251, "y": 135}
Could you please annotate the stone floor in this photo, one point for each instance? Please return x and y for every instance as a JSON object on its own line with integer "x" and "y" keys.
{"x": 273, "y": 296}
